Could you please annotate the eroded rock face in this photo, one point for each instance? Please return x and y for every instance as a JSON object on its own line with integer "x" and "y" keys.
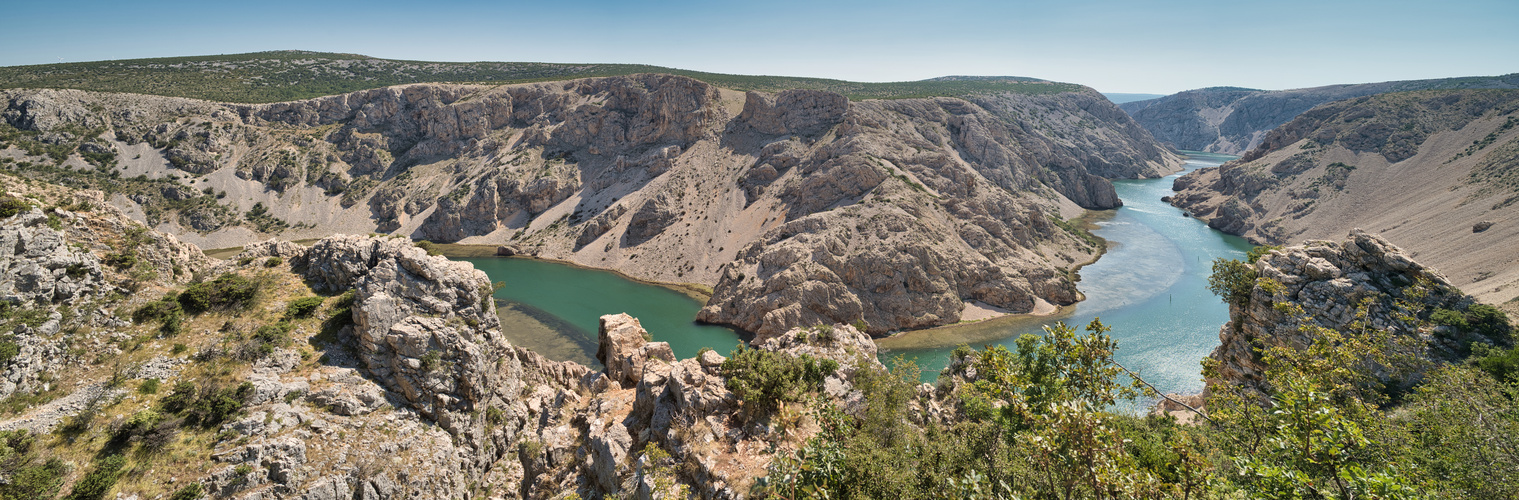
{"x": 424, "y": 324}
{"x": 1329, "y": 281}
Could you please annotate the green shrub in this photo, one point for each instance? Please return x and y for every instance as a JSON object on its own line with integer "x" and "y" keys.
{"x": 1232, "y": 280}
{"x": 98, "y": 482}
{"x": 430, "y": 247}
{"x": 156, "y": 310}
{"x": 9, "y": 349}
{"x": 273, "y": 261}
{"x": 189, "y": 492}
{"x": 303, "y": 307}
{"x": 10, "y": 206}
{"x": 1447, "y": 317}
{"x": 226, "y": 292}
{"x": 149, "y": 386}
{"x": 205, "y": 405}
{"x": 28, "y": 475}
{"x": 764, "y": 379}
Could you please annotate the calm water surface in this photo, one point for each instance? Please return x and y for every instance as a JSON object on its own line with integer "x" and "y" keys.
{"x": 555, "y": 309}
{"x": 1151, "y": 287}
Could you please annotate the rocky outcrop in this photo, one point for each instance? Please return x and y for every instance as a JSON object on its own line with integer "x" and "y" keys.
{"x": 1420, "y": 168}
{"x": 1362, "y": 281}
{"x": 1233, "y": 120}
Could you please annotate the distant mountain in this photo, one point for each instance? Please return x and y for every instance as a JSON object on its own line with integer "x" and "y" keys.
{"x": 1434, "y": 172}
{"x": 1233, "y": 120}
{"x": 264, "y": 77}
{"x": 1120, "y": 97}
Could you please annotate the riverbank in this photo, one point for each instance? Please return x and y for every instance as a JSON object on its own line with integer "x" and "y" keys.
{"x": 981, "y": 323}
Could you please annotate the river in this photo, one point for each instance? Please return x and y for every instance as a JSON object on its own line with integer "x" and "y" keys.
{"x": 1151, "y": 287}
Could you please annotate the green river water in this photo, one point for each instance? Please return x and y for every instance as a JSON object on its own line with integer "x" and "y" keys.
{"x": 1150, "y": 287}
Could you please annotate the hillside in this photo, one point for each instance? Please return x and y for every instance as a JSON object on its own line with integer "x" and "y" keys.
{"x": 1432, "y": 171}
{"x": 1233, "y": 120}
{"x": 265, "y": 77}
{"x": 363, "y": 368}
{"x": 797, "y": 208}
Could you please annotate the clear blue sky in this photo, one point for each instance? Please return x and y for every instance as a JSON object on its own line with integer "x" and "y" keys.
{"x": 1118, "y": 46}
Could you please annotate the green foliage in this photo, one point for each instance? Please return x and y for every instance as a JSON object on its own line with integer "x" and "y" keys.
{"x": 149, "y": 386}
{"x": 29, "y": 476}
{"x": 192, "y": 491}
{"x": 303, "y": 307}
{"x": 228, "y": 291}
{"x": 9, "y": 349}
{"x": 99, "y": 481}
{"x": 1255, "y": 253}
{"x": 249, "y": 79}
{"x": 1449, "y": 318}
{"x": 273, "y": 261}
{"x": 10, "y": 206}
{"x": 157, "y": 310}
{"x": 207, "y": 405}
{"x": 1232, "y": 280}
{"x": 430, "y": 247}
{"x": 765, "y": 379}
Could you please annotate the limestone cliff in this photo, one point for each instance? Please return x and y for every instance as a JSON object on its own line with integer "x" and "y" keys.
{"x": 1330, "y": 280}
{"x": 661, "y": 177}
{"x": 1431, "y": 171}
{"x": 1233, "y": 120}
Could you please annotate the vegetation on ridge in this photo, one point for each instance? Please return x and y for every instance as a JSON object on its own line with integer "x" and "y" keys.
{"x": 262, "y": 77}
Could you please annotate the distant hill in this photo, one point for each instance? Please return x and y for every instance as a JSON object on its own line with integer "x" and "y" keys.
{"x": 1432, "y": 171}
{"x": 1120, "y": 97}
{"x": 1233, "y": 120}
{"x": 264, "y": 77}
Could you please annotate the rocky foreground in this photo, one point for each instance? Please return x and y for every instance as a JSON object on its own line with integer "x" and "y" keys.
{"x": 797, "y": 208}
{"x": 362, "y": 367}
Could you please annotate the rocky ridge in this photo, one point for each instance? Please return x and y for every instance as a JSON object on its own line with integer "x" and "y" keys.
{"x": 1363, "y": 281}
{"x": 1426, "y": 170}
{"x": 1233, "y": 120}
{"x": 661, "y": 177}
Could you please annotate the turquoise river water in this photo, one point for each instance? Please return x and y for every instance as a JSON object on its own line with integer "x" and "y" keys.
{"x": 1150, "y": 287}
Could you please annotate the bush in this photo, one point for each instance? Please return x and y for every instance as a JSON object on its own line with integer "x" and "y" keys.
{"x": 273, "y": 261}
{"x": 10, "y": 206}
{"x": 227, "y": 291}
{"x": 1232, "y": 280}
{"x": 764, "y": 379}
{"x": 430, "y": 247}
{"x": 207, "y": 406}
{"x": 98, "y": 482}
{"x": 1449, "y": 318}
{"x": 27, "y": 475}
{"x": 303, "y": 307}
{"x": 156, "y": 310}
{"x": 190, "y": 492}
{"x": 9, "y": 349}
{"x": 149, "y": 386}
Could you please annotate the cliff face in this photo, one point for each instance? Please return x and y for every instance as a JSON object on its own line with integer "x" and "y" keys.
{"x": 1232, "y": 120}
{"x": 658, "y": 176}
{"x": 1431, "y": 171}
{"x": 1329, "y": 280}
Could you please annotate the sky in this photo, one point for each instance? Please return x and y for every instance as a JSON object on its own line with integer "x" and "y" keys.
{"x": 1136, "y": 46}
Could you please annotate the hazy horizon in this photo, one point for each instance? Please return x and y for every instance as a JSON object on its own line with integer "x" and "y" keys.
{"x": 1115, "y": 47}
